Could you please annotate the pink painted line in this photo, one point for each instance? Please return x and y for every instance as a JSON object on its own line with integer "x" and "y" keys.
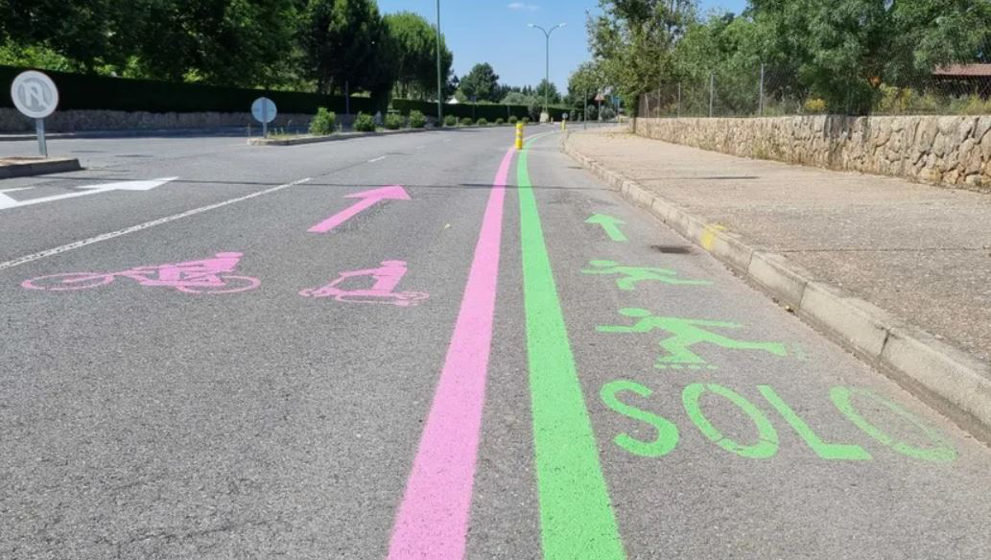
{"x": 368, "y": 199}
{"x": 432, "y": 521}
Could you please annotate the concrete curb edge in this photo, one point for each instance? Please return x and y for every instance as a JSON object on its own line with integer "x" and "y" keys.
{"x": 948, "y": 379}
{"x": 54, "y": 165}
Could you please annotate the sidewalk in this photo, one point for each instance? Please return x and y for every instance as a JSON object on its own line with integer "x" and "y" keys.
{"x": 920, "y": 253}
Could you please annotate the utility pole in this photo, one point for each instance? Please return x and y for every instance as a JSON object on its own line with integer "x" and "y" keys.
{"x": 440, "y": 87}
{"x": 547, "y": 66}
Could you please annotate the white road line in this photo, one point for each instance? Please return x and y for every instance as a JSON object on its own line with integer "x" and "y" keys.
{"x": 15, "y": 190}
{"x": 146, "y": 225}
{"x": 380, "y": 158}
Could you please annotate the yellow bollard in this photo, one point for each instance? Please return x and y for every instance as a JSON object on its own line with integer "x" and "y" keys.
{"x": 519, "y": 136}
{"x": 564, "y": 125}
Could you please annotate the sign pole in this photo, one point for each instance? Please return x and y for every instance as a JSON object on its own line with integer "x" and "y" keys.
{"x": 39, "y": 127}
{"x": 264, "y": 120}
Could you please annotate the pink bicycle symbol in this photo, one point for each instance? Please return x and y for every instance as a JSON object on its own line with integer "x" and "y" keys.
{"x": 207, "y": 276}
{"x": 386, "y": 277}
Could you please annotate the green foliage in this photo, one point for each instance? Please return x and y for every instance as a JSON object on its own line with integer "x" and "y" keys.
{"x": 480, "y": 84}
{"x": 586, "y": 82}
{"x": 526, "y": 120}
{"x": 417, "y": 120}
{"x": 500, "y": 121}
{"x": 466, "y": 121}
{"x": 482, "y": 122}
{"x": 814, "y": 105}
{"x": 415, "y": 55}
{"x": 513, "y": 120}
{"x": 323, "y": 123}
{"x": 364, "y": 122}
{"x": 393, "y": 121}
{"x": 553, "y": 97}
{"x": 607, "y": 113}
{"x": 346, "y": 44}
{"x": 450, "y": 120}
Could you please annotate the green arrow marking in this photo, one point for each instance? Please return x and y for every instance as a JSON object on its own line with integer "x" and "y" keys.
{"x": 610, "y": 225}
{"x": 576, "y": 515}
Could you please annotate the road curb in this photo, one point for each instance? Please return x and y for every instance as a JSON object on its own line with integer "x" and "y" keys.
{"x": 340, "y": 136}
{"x": 948, "y": 379}
{"x": 38, "y": 167}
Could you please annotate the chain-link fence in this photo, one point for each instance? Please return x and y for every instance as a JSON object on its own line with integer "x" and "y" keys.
{"x": 763, "y": 90}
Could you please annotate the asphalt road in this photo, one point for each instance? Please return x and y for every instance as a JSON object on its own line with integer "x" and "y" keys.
{"x": 474, "y": 372}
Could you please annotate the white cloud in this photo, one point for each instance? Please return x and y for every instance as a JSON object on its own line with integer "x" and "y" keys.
{"x": 523, "y": 6}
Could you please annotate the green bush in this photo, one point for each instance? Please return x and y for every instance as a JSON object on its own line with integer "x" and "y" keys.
{"x": 513, "y": 119}
{"x": 364, "y": 122}
{"x": 814, "y": 105}
{"x": 608, "y": 114}
{"x": 466, "y": 121}
{"x": 450, "y": 120}
{"x": 417, "y": 120}
{"x": 526, "y": 120}
{"x": 323, "y": 123}
{"x": 500, "y": 121}
{"x": 393, "y": 121}
{"x": 482, "y": 122}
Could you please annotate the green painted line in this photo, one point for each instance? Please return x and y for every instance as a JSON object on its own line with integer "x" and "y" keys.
{"x": 576, "y": 515}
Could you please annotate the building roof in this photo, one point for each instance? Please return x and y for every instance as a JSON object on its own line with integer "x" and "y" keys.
{"x": 964, "y": 70}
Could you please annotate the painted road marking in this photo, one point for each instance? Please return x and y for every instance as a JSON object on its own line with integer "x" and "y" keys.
{"x": 940, "y": 450}
{"x": 105, "y": 236}
{"x": 15, "y": 189}
{"x": 686, "y": 333}
{"x": 7, "y": 202}
{"x": 368, "y": 198}
{"x": 206, "y": 276}
{"x": 610, "y": 225}
{"x": 576, "y": 516}
{"x": 380, "y": 158}
{"x": 709, "y": 236}
{"x": 383, "y": 291}
{"x": 633, "y": 275}
{"x": 432, "y": 521}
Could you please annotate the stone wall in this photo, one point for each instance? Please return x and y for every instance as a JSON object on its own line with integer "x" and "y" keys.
{"x": 74, "y": 121}
{"x": 947, "y": 150}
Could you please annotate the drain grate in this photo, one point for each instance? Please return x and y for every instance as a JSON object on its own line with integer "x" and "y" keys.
{"x": 673, "y": 249}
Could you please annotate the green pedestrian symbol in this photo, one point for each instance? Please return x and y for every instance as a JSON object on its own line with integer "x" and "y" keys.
{"x": 633, "y": 275}
{"x": 685, "y": 334}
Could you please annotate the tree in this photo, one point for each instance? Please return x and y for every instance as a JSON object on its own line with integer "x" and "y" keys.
{"x": 845, "y": 49}
{"x": 585, "y": 82}
{"x": 415, "y": 42}
{"x": 548, "y": 88}
{"x": 344, "y": 42}
{"x": 481, "y": 84}
{"x": 634, "y": 40}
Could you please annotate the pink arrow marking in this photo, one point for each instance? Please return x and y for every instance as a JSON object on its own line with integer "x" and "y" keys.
{"x": 368, "y": 199}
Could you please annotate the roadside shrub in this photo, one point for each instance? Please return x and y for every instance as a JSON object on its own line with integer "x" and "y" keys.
{"x": 364, "y": 122}
{"x": 513, "y": 119}
{"x": 323, "y": 123}
{"x": 814, "y": 105}
{"x": 526, "y": 120}
{"x": 393, "y": 121}
{"x": 608, "y": 113}
{"x": 466, "y": 121}
{"x": 450, "y": 120}
{"x": 482, "y": 122}
{"x": 417, "y": 120}
{"x": 500, "y": 122}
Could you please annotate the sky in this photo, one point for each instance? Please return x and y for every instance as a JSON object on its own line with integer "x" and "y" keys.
{"x": 495, "y": 31}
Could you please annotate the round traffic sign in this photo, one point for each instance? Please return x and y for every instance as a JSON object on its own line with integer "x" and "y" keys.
{"x": 34, "y": 94}
{"x": 263, "y": 109}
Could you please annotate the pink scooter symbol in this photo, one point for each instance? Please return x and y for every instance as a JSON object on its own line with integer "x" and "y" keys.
{"x": 386, "y": 277}
{"x": 207, "y": 276}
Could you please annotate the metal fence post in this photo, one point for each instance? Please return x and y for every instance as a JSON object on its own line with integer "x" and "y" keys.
{"x": 712, "y": 86}
{"x": 679, "y": 101}
{"x": 760, "y": 105}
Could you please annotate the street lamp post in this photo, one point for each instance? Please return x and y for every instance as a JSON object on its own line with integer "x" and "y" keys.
{"x": 440, "y": 89}
{"x": 547, "y": 66}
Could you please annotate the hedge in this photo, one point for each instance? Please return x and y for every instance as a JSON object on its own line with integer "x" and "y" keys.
{"x": 84, "y": 91}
